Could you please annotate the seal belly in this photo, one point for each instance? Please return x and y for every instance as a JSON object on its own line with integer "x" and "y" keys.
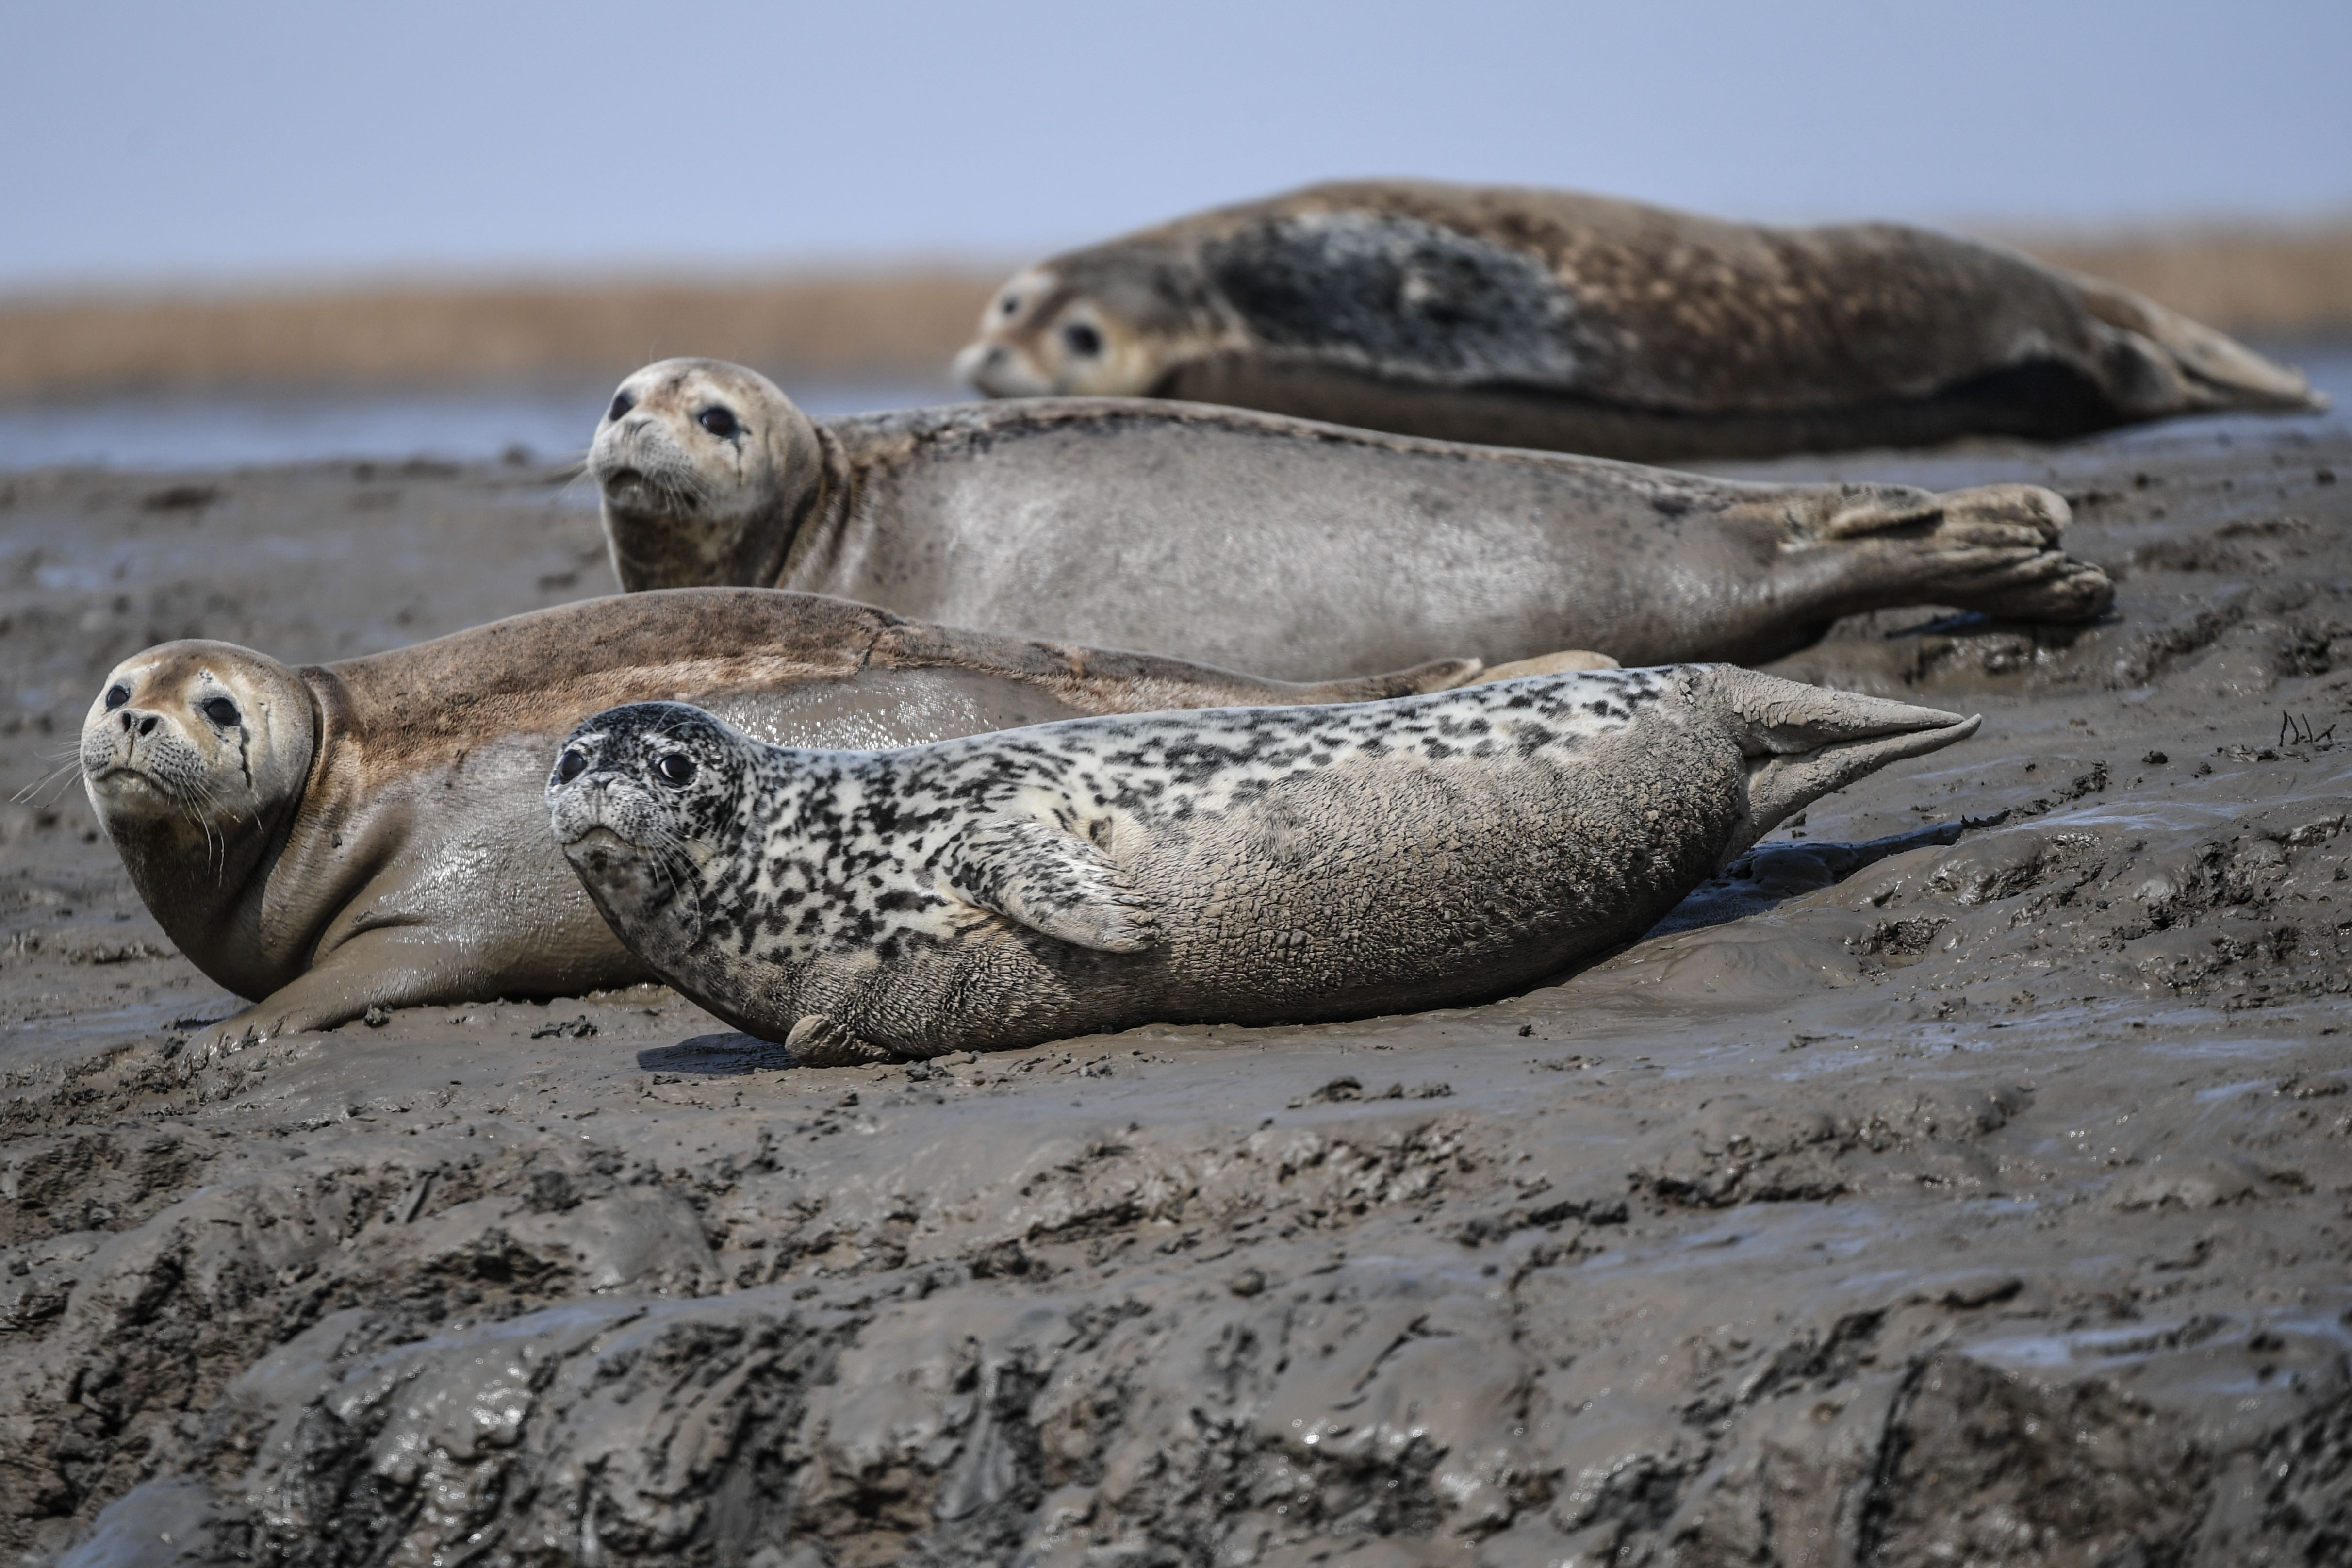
{"x": 1374, "y": 887}
{"x": 1245, "y": 548}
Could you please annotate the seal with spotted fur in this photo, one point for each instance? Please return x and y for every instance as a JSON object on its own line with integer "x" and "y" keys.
{"x": 371, "y": 833}
{"x": 1246, "y": 864}
{"x": 1253, "y": 541}
{"x": 1536, "y": 318}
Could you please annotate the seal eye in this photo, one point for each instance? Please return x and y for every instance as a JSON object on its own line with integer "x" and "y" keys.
{"x": 1083, "y": 340}
{"x": 621, "y": 403}
{"x": 677, "y": 768}
{"x": 116, "y": 695}
{"x": 1012, "y": 304}
{"x": 219, "y": 709}
{"x": 720, "y": 423}
{"x": 573, "y": 763}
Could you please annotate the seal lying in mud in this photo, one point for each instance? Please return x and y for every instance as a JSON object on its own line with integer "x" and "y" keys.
{"x": 1535, "y": 318}
{"x": 1256, "y": 542}
{"x": 370, "y": 833}
{"x": 1250, "y": 865}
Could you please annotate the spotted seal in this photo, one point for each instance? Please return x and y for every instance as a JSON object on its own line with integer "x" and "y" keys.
{"x": 370, "y": 833}
{"x": 1253, "y": 541}
{"x": 1537, "y": 318}
{"x": 1247, "y": 865}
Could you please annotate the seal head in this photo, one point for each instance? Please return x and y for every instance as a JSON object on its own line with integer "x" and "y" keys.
{"x": 1092, "y": 332}
{"x": 194, "y": 755}
{"x": 707, "y": 472}
{"x": 638, "y": 797}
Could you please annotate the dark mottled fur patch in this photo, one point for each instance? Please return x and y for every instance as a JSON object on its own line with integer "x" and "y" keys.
{"x": 1395, "y": 290}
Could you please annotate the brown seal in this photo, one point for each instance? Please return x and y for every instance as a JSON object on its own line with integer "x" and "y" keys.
{"x": 1253, "y": 542}
{"x": 371, "y": 833}
{"x": 1538, "y": 317}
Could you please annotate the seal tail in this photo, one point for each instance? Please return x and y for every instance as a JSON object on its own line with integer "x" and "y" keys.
{"x": 2163, "y": 364}
{"x": 1801, "y": 742}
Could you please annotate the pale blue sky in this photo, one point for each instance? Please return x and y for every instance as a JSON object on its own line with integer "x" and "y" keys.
{"x": 158, "y": 143}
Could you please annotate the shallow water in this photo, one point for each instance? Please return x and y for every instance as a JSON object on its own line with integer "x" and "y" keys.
{"x": 543, "y": 423}
{"x": 551, "y": 422}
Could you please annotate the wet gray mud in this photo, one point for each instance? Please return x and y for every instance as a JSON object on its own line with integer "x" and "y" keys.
{"x": 1962, "y": 1180}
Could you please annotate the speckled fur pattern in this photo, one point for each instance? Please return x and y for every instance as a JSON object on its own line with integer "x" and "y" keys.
{"x": 1249, "y": 865}
{"x": 1577, "y": 322}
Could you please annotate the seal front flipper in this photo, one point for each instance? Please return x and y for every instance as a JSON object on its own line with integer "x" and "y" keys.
{"x": 818, "y": 1041}
{"x": 388, "y": 966}
{"x": 1050, "y": 880}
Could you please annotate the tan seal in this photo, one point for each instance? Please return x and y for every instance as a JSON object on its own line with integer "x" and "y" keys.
{"x": 1254, "y": 541}
{"x": 371, "y": 833}
{"x": 1244, "y": 865}
{"x": 1538, "y": 318}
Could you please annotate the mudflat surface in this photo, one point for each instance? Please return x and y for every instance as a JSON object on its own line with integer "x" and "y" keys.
{"x": 1935, "y": 1189}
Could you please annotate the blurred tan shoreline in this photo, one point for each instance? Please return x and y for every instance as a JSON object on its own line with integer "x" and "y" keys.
{"x": 2264, "y": 284}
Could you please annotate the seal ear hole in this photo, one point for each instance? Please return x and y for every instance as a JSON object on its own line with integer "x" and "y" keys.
{"x": 571, "y": 764}
{"x": 116, "y": 695}
{"x": 677, "y": 768}
{"x": 219, "y": 709}
{"x": 720, "y": 422}
{"x": 621, "y": 403}
{"x": 1082, "y": 340}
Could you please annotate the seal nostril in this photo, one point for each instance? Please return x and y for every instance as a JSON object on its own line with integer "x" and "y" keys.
{"x": 146, "y": 725}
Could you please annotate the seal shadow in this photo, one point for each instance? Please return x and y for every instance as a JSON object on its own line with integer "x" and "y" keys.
{"x": 1771, "y": 874}
{"x": 729, "y": 1055}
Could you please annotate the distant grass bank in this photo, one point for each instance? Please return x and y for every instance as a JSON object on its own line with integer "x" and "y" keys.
{"x": 2260, "y": 284}
{"x": 2256, "y": 283}
{"x": 882, "y": 325}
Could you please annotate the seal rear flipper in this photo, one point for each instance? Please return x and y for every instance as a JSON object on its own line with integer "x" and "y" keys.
{"x": 2162, "y": 362}
{"x": 1993, "y": 549}
{"x": 1050, "y": 880}
{"x": 1800, "y": 742}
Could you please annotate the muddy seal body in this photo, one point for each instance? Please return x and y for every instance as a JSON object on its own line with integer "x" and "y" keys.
{"x": 373, "y": 833}
{"x": 1254, "y": 541}
{"x": 1539, "y": 318}
{"x": 1250, "y": 866}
